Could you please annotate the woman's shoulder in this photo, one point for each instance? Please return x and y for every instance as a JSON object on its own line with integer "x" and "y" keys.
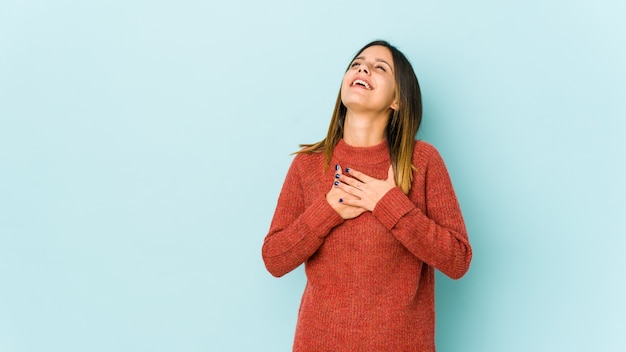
{"x": 304, "y": 159}
{"x": 421, "y": 145}
{"x": 424, "y": 151}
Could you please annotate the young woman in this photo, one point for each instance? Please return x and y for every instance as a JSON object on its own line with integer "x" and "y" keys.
{"x": 372, "y": 213}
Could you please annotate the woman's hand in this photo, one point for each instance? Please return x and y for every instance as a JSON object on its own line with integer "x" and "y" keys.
{"x": 338, "y": 199}
{"x": 364, "y": 191}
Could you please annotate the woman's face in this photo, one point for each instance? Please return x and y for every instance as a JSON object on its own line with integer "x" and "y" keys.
{"x": 369, "y": 85}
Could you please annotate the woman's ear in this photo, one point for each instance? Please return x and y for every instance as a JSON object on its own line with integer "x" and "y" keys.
{"x": 396, "y": 100}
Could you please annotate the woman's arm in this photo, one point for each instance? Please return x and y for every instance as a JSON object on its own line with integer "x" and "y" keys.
{"x": 437, "y": 236}
{"x": 297, "y": 230}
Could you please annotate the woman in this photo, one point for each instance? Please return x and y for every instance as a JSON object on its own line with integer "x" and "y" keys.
{"x": 372, "y": 213}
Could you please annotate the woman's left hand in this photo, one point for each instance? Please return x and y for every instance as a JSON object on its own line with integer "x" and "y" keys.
{"x": 367, "y": 189}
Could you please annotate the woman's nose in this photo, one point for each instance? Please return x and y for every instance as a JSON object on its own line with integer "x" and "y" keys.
{"x": 364, "y": 69}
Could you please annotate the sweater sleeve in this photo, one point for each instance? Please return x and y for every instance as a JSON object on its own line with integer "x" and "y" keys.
{"x": 437, "y": 236}
{"x": 297, "y": 229}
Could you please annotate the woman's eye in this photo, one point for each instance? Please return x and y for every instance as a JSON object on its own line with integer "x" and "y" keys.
{"x": 381, "y": 68}
{"x": 354, "y": 64}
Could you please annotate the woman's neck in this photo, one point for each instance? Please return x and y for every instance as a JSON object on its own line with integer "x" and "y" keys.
{"x": 360, "y": 130}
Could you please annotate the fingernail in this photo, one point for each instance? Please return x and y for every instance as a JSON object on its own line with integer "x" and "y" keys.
{"x": 347, "y": 169}
{"x": 336, "y": 183}
{"x": 340, "y": 200}
{"x": 337, "y": 167}
{"x": 337, "y": 175}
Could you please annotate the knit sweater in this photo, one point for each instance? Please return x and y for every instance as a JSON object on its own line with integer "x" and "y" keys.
{"x": 370, "y": 280}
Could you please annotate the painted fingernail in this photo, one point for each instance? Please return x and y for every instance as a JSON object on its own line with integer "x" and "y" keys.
{"x": 340, "y": 200}
{"x": 347, "y": 169}
{"x": 337, "y": 175}
{"x": 336, "y": 183}
{"x": 337, "y": 167}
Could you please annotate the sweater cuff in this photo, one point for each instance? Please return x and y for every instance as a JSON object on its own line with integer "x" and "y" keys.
{"x": 320, "y": 218}
{"x": 391, "y": 207}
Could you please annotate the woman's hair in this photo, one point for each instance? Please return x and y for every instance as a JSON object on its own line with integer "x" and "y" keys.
{"x": 401, "y": 128}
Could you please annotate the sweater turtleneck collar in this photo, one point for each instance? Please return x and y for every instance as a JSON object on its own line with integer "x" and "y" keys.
{"x": 362, "y": 155}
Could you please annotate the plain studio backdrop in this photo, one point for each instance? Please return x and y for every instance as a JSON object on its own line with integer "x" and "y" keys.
{"x": 143, "y": 145}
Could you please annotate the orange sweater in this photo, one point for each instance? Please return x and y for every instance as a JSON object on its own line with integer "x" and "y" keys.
{"x": 370, "y": 280}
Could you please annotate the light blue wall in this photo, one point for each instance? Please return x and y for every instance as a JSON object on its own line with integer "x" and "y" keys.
{"x": 143, "y": 145}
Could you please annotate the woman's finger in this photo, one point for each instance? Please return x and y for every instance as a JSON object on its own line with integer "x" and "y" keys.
{"x": 350, "y": 181}
{"x": 338, "y": 170}
{"x": 359, "y": 175}
{"x": 352, "y": 188}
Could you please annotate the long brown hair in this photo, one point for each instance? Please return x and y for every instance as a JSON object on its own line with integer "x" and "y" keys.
{"x": 401, "y": 128}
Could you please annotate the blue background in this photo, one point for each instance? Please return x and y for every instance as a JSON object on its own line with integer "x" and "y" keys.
{"x": 143, "y": 145}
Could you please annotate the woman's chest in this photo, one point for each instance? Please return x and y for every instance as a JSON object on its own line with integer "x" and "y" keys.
{"x": 316, "y": 184}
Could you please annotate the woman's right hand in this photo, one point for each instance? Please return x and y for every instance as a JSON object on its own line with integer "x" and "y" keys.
{"x": 335, "y": 197}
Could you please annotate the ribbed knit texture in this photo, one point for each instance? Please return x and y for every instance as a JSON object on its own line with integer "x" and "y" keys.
{"x": 370, "y": 280}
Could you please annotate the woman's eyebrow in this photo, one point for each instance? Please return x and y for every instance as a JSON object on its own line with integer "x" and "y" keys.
{"x": 376, "y": 59}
